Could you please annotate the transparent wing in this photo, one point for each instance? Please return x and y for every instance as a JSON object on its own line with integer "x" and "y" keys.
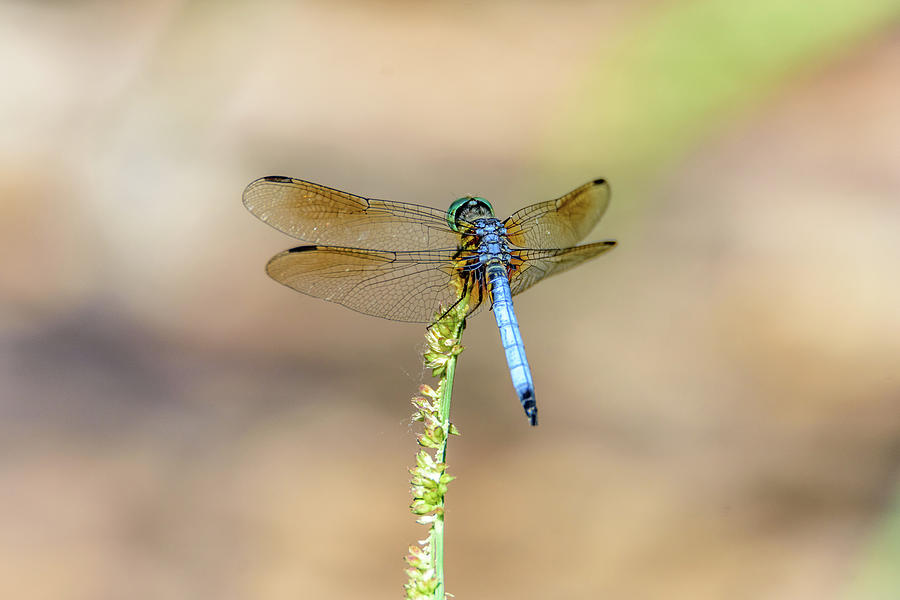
{"x": 562, "y": 222}
{"x": 400, "y": 286}
{"x": 540, "y": 264}
{"x": 322, "y": 215}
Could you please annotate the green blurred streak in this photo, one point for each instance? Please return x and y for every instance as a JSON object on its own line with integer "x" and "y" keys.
{"x": 878, "y": 577}
{"x": 682, "y": 71}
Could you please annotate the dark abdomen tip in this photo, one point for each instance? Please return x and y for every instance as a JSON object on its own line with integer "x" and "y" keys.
{"x": 530, "y": 406}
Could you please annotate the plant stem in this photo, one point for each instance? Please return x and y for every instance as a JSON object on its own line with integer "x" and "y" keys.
{"x": 437, "y": 537}
{"x": 429, "y": 476}
{"x": 446, "y": 385}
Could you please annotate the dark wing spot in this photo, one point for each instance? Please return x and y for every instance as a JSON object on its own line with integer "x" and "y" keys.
{"x": 303, "y": 248}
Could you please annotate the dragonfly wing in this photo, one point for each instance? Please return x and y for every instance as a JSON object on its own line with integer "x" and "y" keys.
{"x": 561, "y": 222}
{"x": 322, "y": 215}
{"x": 540, "y": 264}
{"x": 400, "y": 286}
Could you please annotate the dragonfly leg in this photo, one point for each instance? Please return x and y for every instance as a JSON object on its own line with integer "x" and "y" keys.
{"x": 469, "y": 280}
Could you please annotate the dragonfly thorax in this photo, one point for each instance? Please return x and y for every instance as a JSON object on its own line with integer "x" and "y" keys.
{"x": 489, "y": 241}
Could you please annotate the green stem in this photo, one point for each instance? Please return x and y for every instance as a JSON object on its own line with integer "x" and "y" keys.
{"x": 447, "y": 385}
{"x": 437, "y": 534}
{"x": 429, "y": 476}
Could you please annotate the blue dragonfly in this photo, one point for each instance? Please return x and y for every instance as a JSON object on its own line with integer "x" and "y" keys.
{"x": 404, "y": 262}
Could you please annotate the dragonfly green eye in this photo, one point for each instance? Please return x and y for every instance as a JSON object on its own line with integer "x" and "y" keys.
{"x": 468, "y": 208}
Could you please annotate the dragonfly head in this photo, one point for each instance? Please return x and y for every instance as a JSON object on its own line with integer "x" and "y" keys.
{"x": 467, "y": 209}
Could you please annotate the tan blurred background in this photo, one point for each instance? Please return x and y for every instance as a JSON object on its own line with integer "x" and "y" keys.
{"x": 720, "y": 396}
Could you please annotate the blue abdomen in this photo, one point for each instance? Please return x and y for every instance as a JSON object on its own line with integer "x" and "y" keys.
{"x": 511, "y": 339}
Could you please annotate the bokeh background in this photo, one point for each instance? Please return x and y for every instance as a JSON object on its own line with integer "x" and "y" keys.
{"x": 720, "y": 396}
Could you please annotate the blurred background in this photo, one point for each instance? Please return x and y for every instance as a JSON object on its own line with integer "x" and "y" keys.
{"x": 720, "y": 396}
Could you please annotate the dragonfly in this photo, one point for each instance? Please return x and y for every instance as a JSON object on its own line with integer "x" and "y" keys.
{"x": 407, "y": 262}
